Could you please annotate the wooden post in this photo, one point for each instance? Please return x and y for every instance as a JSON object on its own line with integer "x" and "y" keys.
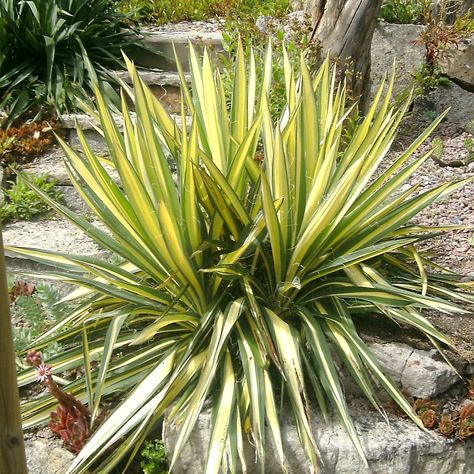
{"x": 345, "y": 29}
{"x": 12, "y": 448}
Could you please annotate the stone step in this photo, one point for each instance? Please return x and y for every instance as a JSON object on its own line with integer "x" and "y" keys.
{"x": 165, "y": 42}
{"x": 153, "y": 77}
{"x": 165, "y": 85}
{"x": 52, "y": 164}
{"x": 55, "y": 234}
{"x": 69, "y": 123}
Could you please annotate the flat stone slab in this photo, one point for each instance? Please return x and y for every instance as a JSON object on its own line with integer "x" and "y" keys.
{"x": 52, "y": 164}
{"x": 164, "y": 43}
{"x": 89, "y": 125}
{"x": 86, "y": 122}
{"x": 396, "y": 448}
{"x": 55, "y": 234}
{"x": 153, "y": 77}
{"x": 46, "y": 457}
{"x": 156, "y": 35}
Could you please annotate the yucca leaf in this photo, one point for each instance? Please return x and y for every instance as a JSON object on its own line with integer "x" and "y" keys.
{"x": 222, "y": 419}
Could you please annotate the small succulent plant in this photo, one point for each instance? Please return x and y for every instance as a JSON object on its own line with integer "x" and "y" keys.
{"x": 466, "y": 426}
{"x": 446, "y": 425}
{"x": 71, "y": 420}
{"x": 20, "y": 288}
{"x": 470, "y": 388}
{"x": 426, "y": 410}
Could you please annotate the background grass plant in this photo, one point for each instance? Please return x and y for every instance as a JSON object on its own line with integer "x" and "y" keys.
{"x": 169, "y": 11}
{"x": 52, "y": 51}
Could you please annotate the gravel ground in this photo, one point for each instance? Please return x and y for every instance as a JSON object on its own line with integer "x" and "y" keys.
{"x": 208, "y": 26}
{"x": 453, "y": 250}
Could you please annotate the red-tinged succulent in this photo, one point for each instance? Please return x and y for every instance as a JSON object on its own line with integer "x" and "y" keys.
{"x": 466, "y": 426}
{"x": 425, "y": 409}
{"x": 446, "y": 425}
{"x": 71, "y": 425}
{"x": 470, "y": 388}
{"x": 429, "y": 418}
{"x": 395, "y": 407}
{"x": 21, "y": 288}
{"x": 71, "y": 420}
{"x": 421, "y": 405}
{"x": 34, "y": 358}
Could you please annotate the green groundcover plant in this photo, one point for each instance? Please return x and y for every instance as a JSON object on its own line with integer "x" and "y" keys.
{"x": 243, "y": 278}
{"x": 53, "y": 50}
{"x": 174, "y": 11}
{"x": 23, "y": 203}
{"x": 406, "y": 11}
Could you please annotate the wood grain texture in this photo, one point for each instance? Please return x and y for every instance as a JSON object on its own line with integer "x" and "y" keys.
{"x": 12, "y": 450}
{"x": 345, "y": 29}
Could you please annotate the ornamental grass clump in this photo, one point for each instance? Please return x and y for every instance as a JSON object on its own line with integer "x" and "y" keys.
{"x": 242, "y": 277}
{"x": 52, "y": 51}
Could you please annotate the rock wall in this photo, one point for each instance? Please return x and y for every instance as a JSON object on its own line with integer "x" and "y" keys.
{"x": 396, "y": 446}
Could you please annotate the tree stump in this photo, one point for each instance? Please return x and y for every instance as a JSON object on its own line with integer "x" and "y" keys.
{"x": 345, "y": 29}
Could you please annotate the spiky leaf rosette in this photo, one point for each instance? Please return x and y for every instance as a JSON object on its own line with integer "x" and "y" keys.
{"x": 240, "y": 279}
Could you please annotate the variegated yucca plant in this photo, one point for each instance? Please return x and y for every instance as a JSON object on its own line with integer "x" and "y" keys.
{"x": 242, "y": 276}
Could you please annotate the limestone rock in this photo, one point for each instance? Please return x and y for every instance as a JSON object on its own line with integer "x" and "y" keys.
{"x": 395, "y": 43}
{"x": 457, "y": 63}
{"x": 397, "y": 448}
{"x": 73, "y": 200}
{"x": 415, "y": 370}
{"x": 46, "y": 457}
{"x": 460, "y": 102}
{"x": 57, "y": 235}
{"x": 52, "y": 164}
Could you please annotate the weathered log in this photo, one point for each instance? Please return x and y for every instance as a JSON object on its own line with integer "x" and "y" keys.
{"x": 345, "y": 29}
{"x": 12, "y": 450}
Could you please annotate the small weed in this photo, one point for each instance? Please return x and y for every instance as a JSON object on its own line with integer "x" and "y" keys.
{"x": 430, "y": 115}
{"x": 469, "y": 126}
{"x": 154, "y": 458}
{"x": 438, "y": 37}
{"x": 405, "y": 11}
{"x": 428, "y": 79}
{"x": 438, "y": 148}
{"x": 469, "y": 146}
{"x": 174, "y": 11}
{"x": 33, "y": 309}
{"x": 21, "y": 202}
